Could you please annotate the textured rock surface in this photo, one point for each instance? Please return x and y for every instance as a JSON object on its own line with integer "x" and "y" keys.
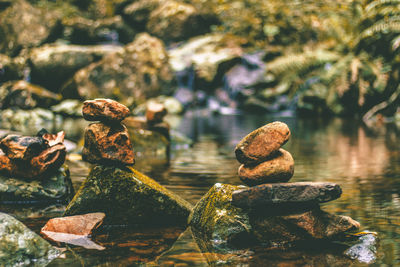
{"x": 104, "y": 110}
{"x": 286, "y": 193}
{"x": 108, "y": 144}
{"x": 128, "y": 197}
{"x": 76, "y": 225}
{"x": 23, "y": 25}
{"x": 260, "y": 144}
{"x": 52, "y": 65}
{"x": 56, "y": 188}
{"x": 140, "y": 72}
{"x": 215, "y": 219}
{"x": 278, "y": 169}
{"x": 308, "y": 225}
{"x": 25, "y": 95}
{"x": 23, "y": 147}
{"x": 19, "y": 246}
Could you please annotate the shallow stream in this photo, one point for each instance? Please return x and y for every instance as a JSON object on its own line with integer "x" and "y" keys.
{"x": 365, "y": 162}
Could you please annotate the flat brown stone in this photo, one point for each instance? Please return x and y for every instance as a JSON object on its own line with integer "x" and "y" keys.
{"x": 155, "y": 112}
{"x": 105, "y": 110}
{"x": 260, "y": 144}
{"x": 108, "y": 144}
{"x": 76, "y": 225}
{"x": 23, "y": 147}
{"x": 276, "y": 170}
{"x": 301, "y": 193}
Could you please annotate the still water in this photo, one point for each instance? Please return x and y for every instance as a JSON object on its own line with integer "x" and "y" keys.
{"x": 365, "y": 162}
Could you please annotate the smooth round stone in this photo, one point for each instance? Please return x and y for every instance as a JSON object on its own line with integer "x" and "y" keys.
{"x": 105, "y": 110}
{"x": 260, "y": 144}
{"x": 276, "y": 170}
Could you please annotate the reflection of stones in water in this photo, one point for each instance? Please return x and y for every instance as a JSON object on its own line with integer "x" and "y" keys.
{"x": 365, "y": 250}
{"x": 123, "y": 246}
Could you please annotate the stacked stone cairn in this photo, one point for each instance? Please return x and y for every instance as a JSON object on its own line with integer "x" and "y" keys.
{"x": 107, "y": 141}
{"x": 269, "y": 210}
{"x": 113, "y": 186}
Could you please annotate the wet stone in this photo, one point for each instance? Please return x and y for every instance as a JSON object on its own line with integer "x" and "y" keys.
{"x": 286, "y": 193}
{"x": 262, "y": 143}
{"x": 108, "y": 145}
{"x": 105, "y": 110}
{"x": 22, "y": 147}
{"x": 276, "y": 170}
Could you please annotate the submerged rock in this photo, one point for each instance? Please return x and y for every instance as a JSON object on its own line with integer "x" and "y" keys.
{"x": 262, "y": 143}
{"x": 19, "y": 246}
{"x": 300, "y": 193}
{"x": 278, "y": 169}
{"x": 24, "y": 95}
{"x": 140, "y": 72}
{"x": 24, "y": 26}
{"x": 128, "y": 197}
{"x": 52, "y": 65}
{"x": 105, "y": 110}
{"x": 365, "y": 250}
{"x": 106, "y": 144}
{"x": 55, "y": 188}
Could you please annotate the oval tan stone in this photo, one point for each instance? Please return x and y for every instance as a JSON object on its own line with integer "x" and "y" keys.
{"x": 260, "y": 144}
{"x": 277, "y": 170}
{"x": 104, "y": 110}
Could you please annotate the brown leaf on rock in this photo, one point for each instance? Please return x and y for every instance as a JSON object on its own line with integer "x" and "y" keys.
{"x": 54, "y": 139}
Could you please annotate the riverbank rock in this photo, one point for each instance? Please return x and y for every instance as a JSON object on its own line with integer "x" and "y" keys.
{"x": 127, "y": 196}
{"x": 19, "y": 246}
{"x": 155, "y": 113}
{"x": 278, "y": 169}
{"x": 108, "y": 144}
{"x": 24, "y": 95}
{"x": 286, "y": 193}
{"x": 218, "y": 221}
{"x": 105, "y": 110}
{"x": 52, "y": 65}
{"x": 55, "y": 188}
{"x": 140, "y": 72}
{"x": 25, "y": 26}
{"x": 262, "y": 143}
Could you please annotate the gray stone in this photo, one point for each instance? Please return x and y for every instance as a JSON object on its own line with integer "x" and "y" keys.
{"x": 20, "y": 246}
{"x": 56, "y": 188}
{"x": 286, "y": 193}
{"x": 127, "y": 196}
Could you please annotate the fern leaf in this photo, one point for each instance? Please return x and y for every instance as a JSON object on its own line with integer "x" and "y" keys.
{"x": 381, "y": 27}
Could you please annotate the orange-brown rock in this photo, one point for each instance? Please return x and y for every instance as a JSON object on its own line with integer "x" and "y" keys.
{"x": 76, "y": 225}
{"x": 278, "y": 169}
{"x": 22, "y": 147}
{"x": 260, "y": 144}
{"x": 54, "y": 139}
{"x": 105, "y": 110}
{"x": 155, "y": 113}
{"x": 38, "y": 167}
{"x": 108, "y": 144}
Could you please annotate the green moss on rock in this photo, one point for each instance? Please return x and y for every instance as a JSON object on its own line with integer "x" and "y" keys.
{"x": 55, "y": 188}
{"x": 127, "y": 196}
{"x": 19, "y": 246}
{"x": 217, "y": 220}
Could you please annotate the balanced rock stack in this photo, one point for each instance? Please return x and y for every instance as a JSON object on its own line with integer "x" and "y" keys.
{"x": 113, "y": 186}
{"x": 269, "y": 210}
{"x": 106, "y": 142}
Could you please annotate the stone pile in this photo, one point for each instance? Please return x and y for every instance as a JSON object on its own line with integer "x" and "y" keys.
{"x": 269, "y": 210}
{"x": 107, "y": 141}
{"x": 113, "y": 187}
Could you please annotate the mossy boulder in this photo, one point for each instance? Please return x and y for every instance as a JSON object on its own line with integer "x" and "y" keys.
{"x": 19, "y": 246}
{"x": 138, "y": 73}
{"x": 216, "y": 220}
{"x": 55, "y": 188}
{"x": 127, "y": 196}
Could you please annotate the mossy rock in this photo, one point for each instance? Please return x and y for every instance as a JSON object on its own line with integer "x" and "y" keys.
{"x": 19, "y": 246}
{"x": 128, "y": 197}
{"x": 215, "y": 219}
{"x": 56, "y": 188}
